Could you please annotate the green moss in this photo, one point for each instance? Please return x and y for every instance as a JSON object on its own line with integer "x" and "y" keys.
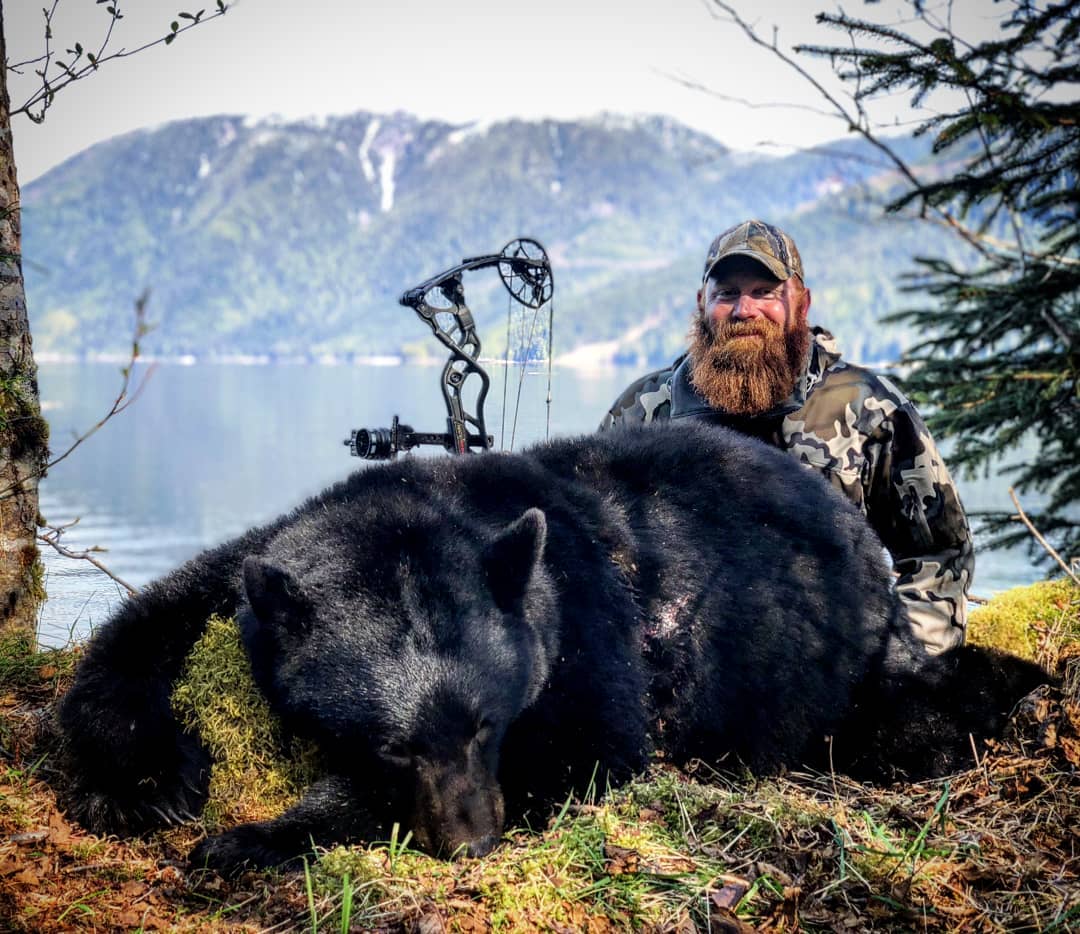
{"x": 17, "y": 396}
{"x": 37, "y": 580}
{"x": 34, "y": 430}
{"x": 22, "y": 427}
{"x": 1018, "y": 619}
{"x": 256, "y": 775}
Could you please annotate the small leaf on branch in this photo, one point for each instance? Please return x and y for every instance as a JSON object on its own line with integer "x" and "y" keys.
{"x": 185, "y": 16}
{"x": 174, "y": 26}
{"x": 169, "y": 38}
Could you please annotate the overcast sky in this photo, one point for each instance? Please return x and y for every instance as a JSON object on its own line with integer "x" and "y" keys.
{"x": 457, "y": 60}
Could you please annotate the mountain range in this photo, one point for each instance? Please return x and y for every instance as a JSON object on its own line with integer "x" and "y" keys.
{"x": 296, "y": 238}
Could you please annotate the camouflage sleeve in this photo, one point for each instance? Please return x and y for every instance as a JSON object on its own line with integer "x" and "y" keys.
{"x": 644, "y": 400}
{"x": 916, "y": 510}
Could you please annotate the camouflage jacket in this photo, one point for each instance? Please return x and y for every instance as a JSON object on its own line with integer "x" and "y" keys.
{"x": 866, "y": 438}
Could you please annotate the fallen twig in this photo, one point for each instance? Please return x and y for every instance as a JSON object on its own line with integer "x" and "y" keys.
{"x": 1022, "y": 516}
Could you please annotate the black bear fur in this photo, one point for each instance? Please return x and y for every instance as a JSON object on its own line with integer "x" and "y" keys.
{"x": 468, "y": 639}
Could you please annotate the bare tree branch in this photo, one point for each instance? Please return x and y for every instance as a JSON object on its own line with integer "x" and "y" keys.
{"x": 83, "y": 63}
{"x": 854, "y": 124}
{"x": 120, "y": 403}
{"x": 857, "y": 122}
{"x": 752, "y": 105}
{"x": 52, "y": 536}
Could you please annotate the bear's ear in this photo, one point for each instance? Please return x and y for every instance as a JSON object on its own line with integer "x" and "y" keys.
{"x": 509, "y": 559}
{"x": 275, "y": 596}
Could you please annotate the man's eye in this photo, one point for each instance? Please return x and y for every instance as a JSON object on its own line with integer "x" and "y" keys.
{"x": 726, "y": 295}
{"x": 764, "y": 294}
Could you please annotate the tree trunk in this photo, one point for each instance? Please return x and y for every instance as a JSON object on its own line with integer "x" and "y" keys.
{"x": 23, "y": 432}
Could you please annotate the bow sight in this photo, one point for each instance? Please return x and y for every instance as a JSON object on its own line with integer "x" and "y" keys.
{"x": 440, "y": 301}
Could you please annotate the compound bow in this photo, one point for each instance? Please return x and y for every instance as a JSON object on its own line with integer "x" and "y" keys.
{"x": 440, "y": 301}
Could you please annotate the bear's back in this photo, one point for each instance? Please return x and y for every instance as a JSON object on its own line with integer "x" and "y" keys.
{"x": 765, "y": 596}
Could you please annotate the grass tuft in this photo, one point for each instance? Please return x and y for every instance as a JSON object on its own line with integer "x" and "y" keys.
{"x": 1032, "y": 622}
{"x": 26, "y": 666}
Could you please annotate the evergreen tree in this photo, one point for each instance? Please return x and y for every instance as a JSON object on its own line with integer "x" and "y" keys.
{"x": 999, "y": 362}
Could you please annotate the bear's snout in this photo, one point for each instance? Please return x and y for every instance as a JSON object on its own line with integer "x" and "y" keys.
{"x": 458, "y": 810}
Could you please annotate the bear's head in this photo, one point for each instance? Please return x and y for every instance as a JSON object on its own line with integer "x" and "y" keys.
{"x": 406, "y": 653}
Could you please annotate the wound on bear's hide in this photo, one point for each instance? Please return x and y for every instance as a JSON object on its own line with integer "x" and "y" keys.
{"x": 275, "y": 596}
{"x": 510, "y": 558}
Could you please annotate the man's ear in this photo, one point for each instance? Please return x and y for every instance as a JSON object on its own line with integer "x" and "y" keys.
{"x": 805, "y": 305}
{"x": 701, "y": 299}
{"x": 274, "y": 596}
{"x": 509, "y": 559}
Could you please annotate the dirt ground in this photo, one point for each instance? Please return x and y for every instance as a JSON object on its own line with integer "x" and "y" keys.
{"x": 996, "y": 848}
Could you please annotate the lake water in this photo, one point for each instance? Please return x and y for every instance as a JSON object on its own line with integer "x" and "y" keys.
{"x": 209, "y": 450}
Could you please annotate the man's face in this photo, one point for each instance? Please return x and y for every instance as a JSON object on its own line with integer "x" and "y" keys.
{"x": 749, "y": 340}
{"x": 741, "y": 289}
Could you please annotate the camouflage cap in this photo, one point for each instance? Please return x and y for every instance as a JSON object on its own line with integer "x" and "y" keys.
{"x": 769, "y": 245}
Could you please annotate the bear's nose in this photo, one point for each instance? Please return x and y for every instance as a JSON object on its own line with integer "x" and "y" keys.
{"x": 477, "y": 848}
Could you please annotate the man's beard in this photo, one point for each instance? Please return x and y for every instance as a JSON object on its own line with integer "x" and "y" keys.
{"x": 746, "y": 375}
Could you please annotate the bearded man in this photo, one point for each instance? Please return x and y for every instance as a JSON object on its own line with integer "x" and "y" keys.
{"x": 756, "y": 366}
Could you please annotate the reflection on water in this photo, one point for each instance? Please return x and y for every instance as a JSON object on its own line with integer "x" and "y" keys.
{"x": 209, "y": 450}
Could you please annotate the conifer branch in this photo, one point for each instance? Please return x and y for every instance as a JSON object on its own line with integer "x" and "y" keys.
{"x": 996, "y": 360}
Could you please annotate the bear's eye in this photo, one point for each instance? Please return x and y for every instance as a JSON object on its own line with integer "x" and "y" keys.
{"x": 396, "y": 754}
{"x": 484, "y": 732}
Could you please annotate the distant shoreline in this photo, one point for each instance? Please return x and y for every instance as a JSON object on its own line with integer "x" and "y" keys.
{"x": 585, "y": 359}
{"x": 570, "y": 361}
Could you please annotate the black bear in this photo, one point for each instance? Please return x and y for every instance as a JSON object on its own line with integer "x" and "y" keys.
{"x": 466, "y": 638}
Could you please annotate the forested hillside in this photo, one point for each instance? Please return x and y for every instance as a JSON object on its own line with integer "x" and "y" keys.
{"x": 297, "y": 238}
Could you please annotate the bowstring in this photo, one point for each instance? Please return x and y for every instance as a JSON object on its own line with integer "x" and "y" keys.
{"x": 550, "y": 350}
{"x": 506, "y": 373}
{"x": 524, "y": 348}
{"x": 527, "y": 346}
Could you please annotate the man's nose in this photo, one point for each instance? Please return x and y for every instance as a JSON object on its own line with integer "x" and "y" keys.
{"x": 744, "y": 308}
